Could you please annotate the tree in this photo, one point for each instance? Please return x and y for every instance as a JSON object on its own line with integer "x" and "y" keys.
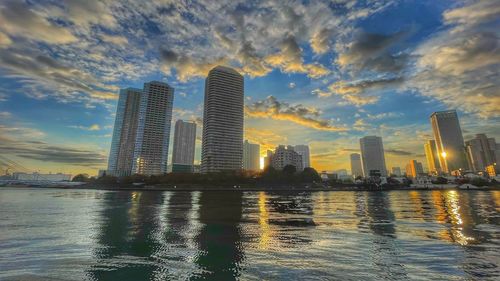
{"x": 289, "y": 169}
{"x": 81, "y": 178}
{"x": 309, "y": 175}
{"x": 479, "y": 181}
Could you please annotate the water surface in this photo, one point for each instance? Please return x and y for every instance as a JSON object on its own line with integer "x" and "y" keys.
{"x": 50, "y": 234}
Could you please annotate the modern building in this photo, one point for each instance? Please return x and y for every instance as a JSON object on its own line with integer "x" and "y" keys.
{"x": 251, "y": 156}
{"x": 121, "y": 154}
{"x": 184, "y": 147}
{"x": 356, "y": 167}
{"x": 449, "y": 141}
{"x": 372, "y": 156}
{"x": 222, "y": 143}
{"x": 268, "y": 159}
{"x": 303, "y": 150}
{"x": 481, "y": 152}
{"x": 286, "y": 155}
{"x": 432, "y": 157}
{"x": 414, "y": 169}
{"x": 153, "y": 129}
{"x": 396, "y": 171}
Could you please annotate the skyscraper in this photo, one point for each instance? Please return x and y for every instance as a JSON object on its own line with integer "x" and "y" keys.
{"x": 251, "y": 156}
{"x": 153, "y": 132}
{"x": 356, "y": 168}
{"x": 449, "y": 140}
{"x": 222, "y": 144}
{"x": 396, "y": 171}
{"x": 481, "y": 152}
{"x": 121, "y": 154}
{"x": 303, "y": 150}
{"x": 372, "y": 155}
{"x": 184, "y": 146}
{"x": 414, "y": 169}
{"x": 432, "y": 157}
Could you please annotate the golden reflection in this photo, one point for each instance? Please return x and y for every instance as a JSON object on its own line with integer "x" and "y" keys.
{"x": 453, "y": 207}
{"x": 496, "y": 198}
{"x": 416, "y": 200}
{"x": 265, "y": 231}
{"x": 133, "y": 211}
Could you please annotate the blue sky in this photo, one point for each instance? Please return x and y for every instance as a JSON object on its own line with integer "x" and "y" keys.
{"x": 323, "y": 73}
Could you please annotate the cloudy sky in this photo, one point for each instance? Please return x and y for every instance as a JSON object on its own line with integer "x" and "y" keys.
{"x": 323, "y": 73}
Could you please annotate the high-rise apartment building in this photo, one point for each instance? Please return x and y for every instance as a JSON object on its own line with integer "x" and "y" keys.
{"x": 449, "y": 140}
{"x": 372, "y": 156}
{"x": 414, "y": 169}
{"x": 481, "y": 152}
{"x": 251, "y": 156}
{"x": 303, "y": 151}
{"x": 222, "y": 144}
{"x": 121, "y": 154}
{"x": 153, "y": 131}
{"x": 184, "y": 146}
{"x": 356, "y": 168}
{"x": 432, "y": 157}
{"x": 284, "y": 156}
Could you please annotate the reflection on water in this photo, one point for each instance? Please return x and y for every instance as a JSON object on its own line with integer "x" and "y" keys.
{"x": 99, "y": 235}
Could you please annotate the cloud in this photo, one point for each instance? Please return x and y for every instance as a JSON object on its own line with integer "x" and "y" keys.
{"x": 320, "y": 40}
{"x": 20, "y": 20}
{"x": 5, "y": 114}
{"x": 267, "y": 139}
{"x": 372, "y": 51}
{"x": 187, "y": 67}
{"x": 93, "y": 127}
{"x": 289, "y": 59}
{"x": 291, "y": 85}
{"x": 298, "y": 114}
{"x": 398, "y": 152}
{"x": 115, "y": 39}
{"x": 459, "y": 66}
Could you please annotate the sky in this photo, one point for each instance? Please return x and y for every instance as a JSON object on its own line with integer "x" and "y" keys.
{"x": 322, "y": 73}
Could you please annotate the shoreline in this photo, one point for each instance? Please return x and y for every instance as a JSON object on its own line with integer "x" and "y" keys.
{"x": 249, "y": 189}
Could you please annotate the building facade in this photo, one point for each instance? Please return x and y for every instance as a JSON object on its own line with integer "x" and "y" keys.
{"x": 396, "y": 171}
{"x": 414, "y": 169}
{"x": 303, "y": 150}
{"x": 286, "y": 155}
{"x": 222, "y": 143}
{"x": 121, "y": 154}
{"x": 481, "y": 152}
{"x": 251, "y": 156}
{"x": 356, "y": 168}
{"x": 153, "y": 130}
{"x": 184, "y": 146}
{"x": 432, "y": 157}
{"x": 372, "y": 155}
{"x": 449, "y": 141}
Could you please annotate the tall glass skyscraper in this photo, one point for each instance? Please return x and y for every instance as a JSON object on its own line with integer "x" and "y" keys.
{"x": 153, "y": 131}
{"x": 372, "y": 155}
{"x": 356, "y": 169}
{"x": 449, "y": 140}
{"x": 124, "y": 133}
{"x": 432, "y": 157}
{"x": 303, "y": 150}
{"x": 222, "y": 144}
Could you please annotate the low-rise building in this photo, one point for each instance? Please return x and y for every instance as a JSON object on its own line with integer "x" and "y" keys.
{"x": 41, "y": 177}
{"x": 286, "y": 155}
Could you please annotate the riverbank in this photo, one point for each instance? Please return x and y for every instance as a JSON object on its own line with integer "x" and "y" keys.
{"x": 241, "y": 188}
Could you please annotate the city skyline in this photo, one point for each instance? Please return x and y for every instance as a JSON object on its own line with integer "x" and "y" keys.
{"x": 325, "y": 75}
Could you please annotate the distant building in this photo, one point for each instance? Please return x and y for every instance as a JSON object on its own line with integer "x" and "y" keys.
{"x": 303, "y": 150}
{"x": 432, "y": 157}
{"x": 121, "y": 155}
{"x": 481, "y": 152}
{"x": 356, "y": 168}
{"x": 184, "y": 147}
{"x": 268, "y": 159}
{"x": 222, "y": 143}
{"x": 41, "y": 177}
{"x": 102, "y": 173}
{"x": 414, "y": 169}
{"x": 196, "y": 169}
{"x": 251, "y": 156}
{"x": 492, "y": 170}
{"x": 286, "y": 155}
{"x": 396, "y": 171}
{"x": 372, "y": 156}
{"x": 153, "y": 130}
{"x": 449, "y": 141}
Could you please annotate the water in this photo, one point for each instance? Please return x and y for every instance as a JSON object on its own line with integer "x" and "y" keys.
{"x": 102, "y": 235}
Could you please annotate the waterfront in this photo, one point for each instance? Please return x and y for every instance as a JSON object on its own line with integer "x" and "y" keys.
{"x": 51, "y": 234}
